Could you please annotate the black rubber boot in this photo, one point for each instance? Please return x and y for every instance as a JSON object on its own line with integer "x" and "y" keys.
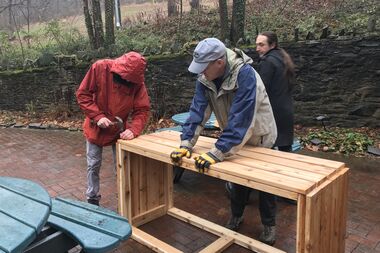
{"x": 234, "y": 223}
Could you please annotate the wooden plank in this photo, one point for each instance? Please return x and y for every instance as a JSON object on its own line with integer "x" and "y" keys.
{"x": 300, "y": 236}
{"x": 143, "y": 173}
{"x": 152, "y": 242}
{"x": 254, "y": 185}
{"x": 272, "y": 164}
{"x": 247, "y": 172}
{"x": 279, "y": 165}
{"x": 168, "y": 190}
{"x": 148, "y": 188}
{"x": 206, "y": 225}
{"x": 189, "y": 164}
{"x": 134, "y": 171}
{"x": 338, "y": 202}
{"x": 319, "y": 169}
{"x": 312, "y": 223}
{"x": 123, "y": 181}
{"x": 341, "y": 225}
{"x": 297, "y": 157}
{"x": 155, "y": 182}
{"x": 290, "y": 156}
{"x": 128, "y": 184}
{"x": 219, "y": 245}
{"x": 149, "y": 215}
{"x": 325, "y": 214}
{"x": 327, "y": 199}
{"x": 321, "y": 213}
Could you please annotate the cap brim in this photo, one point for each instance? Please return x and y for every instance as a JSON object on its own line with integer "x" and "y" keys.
{"x": 197, "y": 68}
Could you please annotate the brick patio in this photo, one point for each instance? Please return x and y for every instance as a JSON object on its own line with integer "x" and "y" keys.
{"x": 56, "y": 160}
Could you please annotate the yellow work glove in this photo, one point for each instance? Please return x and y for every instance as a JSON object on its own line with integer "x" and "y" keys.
{"x": 177, "y": 155}
{"x": 204, "y": 161}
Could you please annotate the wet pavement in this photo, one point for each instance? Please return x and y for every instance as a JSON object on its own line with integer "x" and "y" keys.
{"x": 56, "y": 160}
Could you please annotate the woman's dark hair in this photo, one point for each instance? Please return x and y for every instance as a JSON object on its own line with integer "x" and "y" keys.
{"x": 289, "y": 65}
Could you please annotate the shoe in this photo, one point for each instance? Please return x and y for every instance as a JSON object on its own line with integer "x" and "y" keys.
{"x": 268, "y": 236}
{"x": 234, "y": 223}
{"x": 93, "y": 201}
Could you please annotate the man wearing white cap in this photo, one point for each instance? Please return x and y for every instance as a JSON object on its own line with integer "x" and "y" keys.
{"x": 228, "y": 86}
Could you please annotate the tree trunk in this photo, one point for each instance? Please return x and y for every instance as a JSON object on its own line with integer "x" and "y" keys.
{"x": 194, "y": 4}
{"x": 28, "y": 22}
{"x": 223, "y": 14}
{"x": 172, "y": 8}
{"x": 238, "y": 20}
{"x": 98, "y": 24}
{"x": 109, "y": 15}
{"x": 10, "y": 20}
{"x": 89, "y": 26}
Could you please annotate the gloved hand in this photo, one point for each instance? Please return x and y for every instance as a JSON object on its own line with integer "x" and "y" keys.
{"x": 177, "y": 155}
{"x": 204, "y": 161}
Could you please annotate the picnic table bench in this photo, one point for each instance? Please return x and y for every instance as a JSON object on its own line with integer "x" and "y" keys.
{"x": 32, "y": 222}
{"x": 24, "y": 209}
{"x": 145, "y": 191}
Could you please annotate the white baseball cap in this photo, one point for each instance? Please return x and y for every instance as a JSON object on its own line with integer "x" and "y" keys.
{"x": 207, "y": 50}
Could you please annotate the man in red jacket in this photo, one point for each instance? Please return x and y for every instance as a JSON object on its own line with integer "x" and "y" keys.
{"x": 115, "y": 102}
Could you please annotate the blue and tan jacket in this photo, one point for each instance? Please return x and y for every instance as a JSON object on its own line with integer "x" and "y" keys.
{"x": 241, "y": 106}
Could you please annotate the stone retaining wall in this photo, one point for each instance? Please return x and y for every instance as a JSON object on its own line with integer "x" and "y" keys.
{"x": 338, "y": 78}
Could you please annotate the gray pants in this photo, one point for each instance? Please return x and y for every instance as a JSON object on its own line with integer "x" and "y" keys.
{"x": 94, "y": 161}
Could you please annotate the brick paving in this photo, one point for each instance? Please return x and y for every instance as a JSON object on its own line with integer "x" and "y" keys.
{"x": 56, "y": 160}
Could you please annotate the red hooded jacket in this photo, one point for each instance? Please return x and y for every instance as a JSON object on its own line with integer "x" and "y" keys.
{"x": 99, "y": 96}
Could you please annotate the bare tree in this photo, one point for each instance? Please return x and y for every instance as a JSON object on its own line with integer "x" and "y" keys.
{"x": 19, "y": 37}
{"x": 109, "y": 6}
{"x": 172, "y": 8}
{"x": 89, "y": 26}
{"x": 93, "y": 19}
{"x": 194, "y": 4}
{"x": 10, "y": 16}
{"x": 98, "y": 23}
{"x": 238, "y": 20}
{"x": 223, "y": 14}
{"x": 26, "y": 14}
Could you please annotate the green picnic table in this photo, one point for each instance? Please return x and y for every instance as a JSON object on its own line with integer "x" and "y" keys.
{"x": 24, "y": 209}
{"x": 32, "y": 222}
{"x": 181, "y": 118}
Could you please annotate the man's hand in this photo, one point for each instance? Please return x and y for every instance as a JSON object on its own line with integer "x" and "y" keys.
{"x": 177, "y": 155}
{"x": 104, "y": 122}
{"x": 127, "y": 135}
{"x": 204, "y": 161}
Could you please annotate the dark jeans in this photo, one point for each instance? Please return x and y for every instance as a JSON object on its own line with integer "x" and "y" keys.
{"x": 267, "y": 204}
{"x": 267, "y": 201}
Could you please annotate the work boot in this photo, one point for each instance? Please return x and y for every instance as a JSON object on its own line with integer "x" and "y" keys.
{"x": 93, "y": 201}
{"x": 268, "y": 236}
{"x": 234, "y": 223}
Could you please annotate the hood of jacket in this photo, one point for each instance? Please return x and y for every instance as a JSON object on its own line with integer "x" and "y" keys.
{"x": 130, "y": 66}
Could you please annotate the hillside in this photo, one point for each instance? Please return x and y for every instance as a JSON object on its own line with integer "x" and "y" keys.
{"x": 147, "y": 29}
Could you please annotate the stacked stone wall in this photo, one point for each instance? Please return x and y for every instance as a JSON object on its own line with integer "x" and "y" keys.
{"x": 339, "y": 78}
